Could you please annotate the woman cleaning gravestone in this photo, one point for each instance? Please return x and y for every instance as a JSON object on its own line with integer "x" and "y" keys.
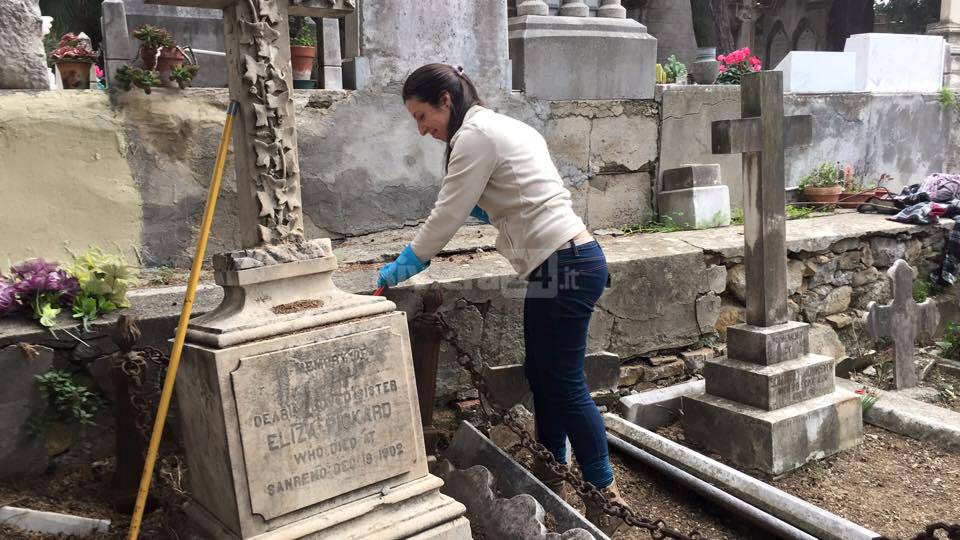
{"x": 499, "y": 170}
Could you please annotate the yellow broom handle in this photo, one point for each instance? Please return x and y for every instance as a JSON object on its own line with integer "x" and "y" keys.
{"x": 182, "y": 325}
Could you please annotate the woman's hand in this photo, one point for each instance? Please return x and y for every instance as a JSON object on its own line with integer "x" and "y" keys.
{"x": 403, "y": 268}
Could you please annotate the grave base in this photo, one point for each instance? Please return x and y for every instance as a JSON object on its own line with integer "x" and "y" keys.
{"x": 416, "y": 510}
{"x": 778, "y": 441}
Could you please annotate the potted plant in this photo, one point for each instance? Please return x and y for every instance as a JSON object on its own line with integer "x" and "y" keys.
{"x": 676, "y": 72}
{"x": 736, "y": 64}
{"x": 73, "y": 59}
{"x": 152, "y": 40}
{"x": 855, "y": 190}
{"x": 303, "y": 50}
{"x": 822, "y": 186}
{"x": 128, "y": 76}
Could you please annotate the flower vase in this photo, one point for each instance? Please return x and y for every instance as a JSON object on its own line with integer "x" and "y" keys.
{"x": 169, "y": 58}
{"x": 705, "y": 67}
{"x": 822, "y": 196}
{"x": 74, "y": 75}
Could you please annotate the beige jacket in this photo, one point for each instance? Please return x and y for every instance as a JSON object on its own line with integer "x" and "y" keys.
{"x": 504, "y": 166}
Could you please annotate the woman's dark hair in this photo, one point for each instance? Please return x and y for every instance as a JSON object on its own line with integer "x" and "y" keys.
{"x": 429, "y": 82}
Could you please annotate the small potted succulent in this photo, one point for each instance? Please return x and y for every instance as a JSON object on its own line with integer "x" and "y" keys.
{"x": 303, "y": 51}
{"x": 152, "y": 40}
{"x": 73, "y": 59}
{"x": 128, "y": 77}
{"x": 823, "y": 185}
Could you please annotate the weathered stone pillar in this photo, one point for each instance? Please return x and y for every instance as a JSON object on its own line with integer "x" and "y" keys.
{"x": 331, "y": 61}
{"x": 747, "y": 14}
{"x": 612, "y": 9}
{"x": 949, "y": 28}
{"x": 574, "y": 8}
{"x": 532, "y": 7}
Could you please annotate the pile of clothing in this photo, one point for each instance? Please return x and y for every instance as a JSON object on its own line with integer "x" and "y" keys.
{"x": 924, "y": 204}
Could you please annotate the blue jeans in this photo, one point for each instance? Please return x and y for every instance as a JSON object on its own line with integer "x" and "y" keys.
{"x": 561, "y": 295}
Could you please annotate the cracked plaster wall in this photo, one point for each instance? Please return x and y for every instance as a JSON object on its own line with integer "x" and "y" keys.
{"x": 905, "y": 135}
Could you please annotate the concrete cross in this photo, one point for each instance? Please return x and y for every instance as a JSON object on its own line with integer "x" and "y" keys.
{"x": 901, "y": 320}
{"x": 761, "y": 136}
{"x": 257, "y": 43}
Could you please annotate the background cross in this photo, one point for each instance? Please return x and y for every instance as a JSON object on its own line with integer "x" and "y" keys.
{"x": 761, "y": 136}
{"x": 902, "y": 320}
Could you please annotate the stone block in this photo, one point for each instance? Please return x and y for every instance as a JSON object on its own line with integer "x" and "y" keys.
{"x": 897, "y": 62}
{"x": 770, "y": 387}
{"x": 698, "y": 207}
{"x": 694, "y": 360}
{"x": 803, "y": 72}
{"x": 569, "y": 140}
{"x": 21, "y": 454}
{"x": 617, "y": 200}
{"x": 630, "y": 375}
{"x": 794, "y": 276}
{"x": 737, "y": 281}
{"x": 708, "y": 311}
{"x": 777, "y": 441}
{"x": 24, "y": 60}
{"x": 837, "y": 301}
{"x": 656, "y": 373}
{"x": 691, "y": 176}
{"x": 714, "y": 279}
{"x": 767, "y": 345}
{"x": 624, "y": 142}
{"x": 886, "y": 251}
{"x": 824, "y": 341}
{"x": 593, "y": 51}
{"x": 661, "y": 360}
{"x": 660, "y": 407}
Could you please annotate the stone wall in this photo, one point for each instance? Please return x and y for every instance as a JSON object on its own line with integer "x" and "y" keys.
{"x": 138, "y": 180}
{"x": 905, "y": 135}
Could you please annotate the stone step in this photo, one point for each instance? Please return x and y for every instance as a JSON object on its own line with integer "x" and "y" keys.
{"x": 768, "y": 345}
{"x": 776, "y": 441}
{"x": 770, "y": 387}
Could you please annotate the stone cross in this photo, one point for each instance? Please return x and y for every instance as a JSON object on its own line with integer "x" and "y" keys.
{"x": 761, "y": 136}
{"x": 901, "y": 320}
{"x": 257, "y": 40}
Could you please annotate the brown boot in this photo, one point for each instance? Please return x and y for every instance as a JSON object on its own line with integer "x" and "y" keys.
{"x": 595, "y": 514}
{"x": 552, "y": 480}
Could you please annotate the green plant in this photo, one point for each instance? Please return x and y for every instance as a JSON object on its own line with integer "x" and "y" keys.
{"x": 675, "y": 70}
{"x": 300, "y": 33}
{"x": 665, "y": 225}
{"x": 798, "y": 212}
{"x": 867, "y": 398}
{"x": 736, "y": 216}
{"x": 153, "y": 37}
{"x": 104, "y": 279}
{"x": 162, "y": 275}
{"x": 923, "y": 289}
{"x": 948, "y": 98}
{"x": 66, "y": 401}
{"x": 128, "y": 76}
{"x": 823, "y": 175}
{"x": 950, "y": 344}
{"x": 947, "y": 392}
{"x": 183, "y": 74}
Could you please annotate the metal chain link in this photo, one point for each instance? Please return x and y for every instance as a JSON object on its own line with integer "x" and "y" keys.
{"x": 590, "y": 494}
{"x": 134, "y": 366}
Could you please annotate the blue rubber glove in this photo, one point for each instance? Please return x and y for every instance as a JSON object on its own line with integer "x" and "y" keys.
{"x": 478, "y": 213}
{"x": 405, "y": 267}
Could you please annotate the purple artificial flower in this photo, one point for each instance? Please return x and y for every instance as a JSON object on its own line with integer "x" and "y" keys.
{"x": 8, "y": 298}
{"x": 36, "y": 276}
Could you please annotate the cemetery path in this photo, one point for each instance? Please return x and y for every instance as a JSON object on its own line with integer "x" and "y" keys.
{"x": 891, "y": 484}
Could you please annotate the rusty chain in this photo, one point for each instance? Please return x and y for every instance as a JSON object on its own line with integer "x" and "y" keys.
{"x": 134, "y": 366}
{"x": 588, "y": 492}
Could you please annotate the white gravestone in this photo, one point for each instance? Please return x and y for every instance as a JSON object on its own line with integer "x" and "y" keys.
{"x": 811, "y": 72}
{"x": 693, "y": 195}
{"x": 898, "y": 62}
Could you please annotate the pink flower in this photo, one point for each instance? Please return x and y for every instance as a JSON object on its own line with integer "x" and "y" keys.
{"x": 746, "y": 51}
{"x": 723, "y": 68}
{"x": 98, "y": 71}
{"x": 721, "y": 58}
{"x": 754, "y": 61}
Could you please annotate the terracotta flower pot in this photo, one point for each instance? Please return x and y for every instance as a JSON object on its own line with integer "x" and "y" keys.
{"x": 301, "y": 58}
{"x": 148, "y": 55}
{"x": 75, "y": 75}
{"x": 170, "y": 57}
{"x": 853, "y": 199}
{"x": 822, "y": 196}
